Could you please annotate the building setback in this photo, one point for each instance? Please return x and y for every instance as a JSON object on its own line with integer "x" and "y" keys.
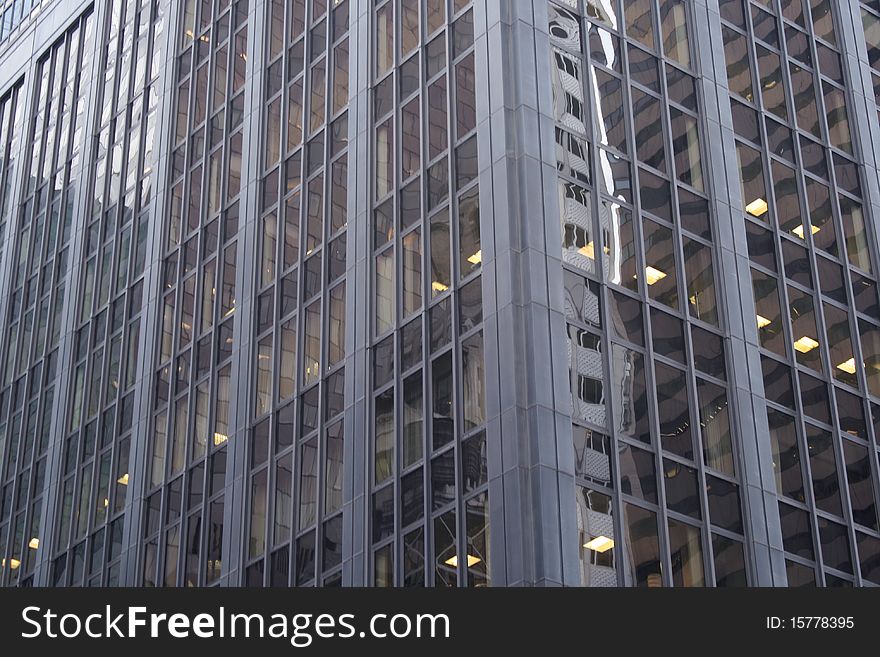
{"x": 439, "y": 292}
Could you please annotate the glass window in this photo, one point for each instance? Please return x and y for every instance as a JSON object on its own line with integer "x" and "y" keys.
{"x": 473, "y": 394}
{"x": 823, "y": 466}
{"x": 443, "y": 423}
{"x": 477, "y": 540}
{"x": 639, "y": 21}
{"x": 700, "y": 281}
{"x": 803, "y": 329}
{"x": 264, "y": 376}
{"x": 797, "y": 535}
{"x": 412, "y": 495}
{"x": 715, "y": 426}
{"x": 861, "y": 489}
{"x": 739, "y": 75}
{"x": 730, "y": 569}
{"x": 308, "y": 483}
{"x": 384, "y": 436}
{"x": 686, "y": 146}
{"x": 630, "y": 394}
{"x": 673, "y": 21}
{"x": 660, "y": 264}
{"x": 843, "y": 363}
{"x": 855, "y": 232}
{"x": 673, "y": 410}
{"x": 681, "y": 488}
{"x": 412, "y": 419}
{"x": 869, "y": 336}
{"x": 640, "y": 531}
{"x": 445, "y": 551}
{"x": 786, "y": 455}
{"x": 412, "y": 272}
{"x": 687, "y": 554}
{"x": 754, "y": 192}
{"x": 648, "y": 129}
{"x": 835, "y": 545}
{"x": 799, "y": 575}
{"x": 622, "y": 260}
{"x": 385, "y": 298}
{"x": 384, "y": 39}
{"x": 471, "y": 255}
{"x": 637, "y": 473}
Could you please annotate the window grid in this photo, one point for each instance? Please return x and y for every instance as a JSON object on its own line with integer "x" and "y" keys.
{"x": 109, "y": 300}
{"x": 295, "y": 493}
{"x": 429, "y": 501}
{"x": 40, "y": 267}
{"x": 193, "y": 385}
{"x": 820, "y": 434}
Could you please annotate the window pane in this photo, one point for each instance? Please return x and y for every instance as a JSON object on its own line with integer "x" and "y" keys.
{"x": 412, "y": 272}
{"x": 471, "y": 255}
{"x": 473, "y": 395}
{"x": 673, "y": 410}
{"x": 686, "y": 146}
{"x": 796, "y": 533}
{"x": 660, "y": 264}
{"x": 477, "y": 547}
{"x": 870, "y": 340}
{"x": 596, "y": 538}
{"x": 384, "y": 436}
{"x": 637, "y": 473}
{"x": 715, "y": 426}
{"x": 640, "y": 531}
{"x": 385, "y": 291}
{"x": 861, "y": 490}
{"x": 803, "y": 329}
{"x": 629, "y": 394}
{"x": 443, "y": 424}
{"x": 673, "y": 18}
{"x": 700, "y": 281}
{"x": 687, "y": 554}
{"x": 730, "y": 569}
{"x": 445, "y": 552}
{"x": 786, "y": 455}
{"x": 835, "y": 545}
{"x": 681, "y": 488}
{"x": 412, "y": 419}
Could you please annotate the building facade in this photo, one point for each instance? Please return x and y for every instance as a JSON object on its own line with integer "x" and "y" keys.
{"x": 439, "y": 293}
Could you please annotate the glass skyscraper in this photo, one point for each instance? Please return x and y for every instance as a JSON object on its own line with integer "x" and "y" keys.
{"x": 439, "y": 292}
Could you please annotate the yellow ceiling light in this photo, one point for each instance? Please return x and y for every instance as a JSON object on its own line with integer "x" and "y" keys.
{"x": 805, "y": 345}
{"x": 652, "y": 275}
{"x": 220, "y": 438}
{"x": 757, "y": 208}
{"x": 471, "y": 561}
{"x": 34, "y": 544}
{"x": 763, "y": 321}
{"x": 600, "y": 544}
{"x": 799, "y": 231}
{"x": 588, "y": 251}
{"x": 848, "y": 366}
{"x": 437, "y": 286}
{"x": 123, "y": 480}
{"x": 13, "y": 563}
{"x": 477, "y": 258}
